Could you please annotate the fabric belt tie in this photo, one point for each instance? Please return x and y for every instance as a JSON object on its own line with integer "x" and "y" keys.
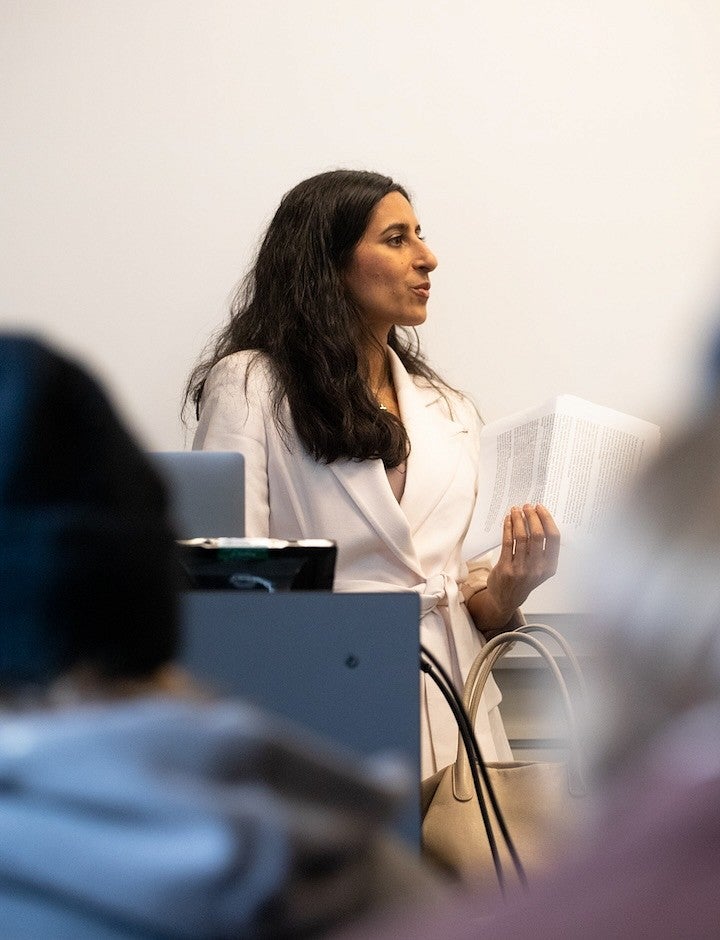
{"x": 440, "y": 590}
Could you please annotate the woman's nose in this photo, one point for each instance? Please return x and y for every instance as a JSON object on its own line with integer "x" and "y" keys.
{"x": 426, "y": 259}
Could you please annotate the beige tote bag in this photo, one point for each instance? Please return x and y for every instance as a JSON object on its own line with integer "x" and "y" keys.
{"x": 541, "y": 801}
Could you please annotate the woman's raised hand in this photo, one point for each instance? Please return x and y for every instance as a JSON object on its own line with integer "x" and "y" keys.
{"x": 529, "y": 556}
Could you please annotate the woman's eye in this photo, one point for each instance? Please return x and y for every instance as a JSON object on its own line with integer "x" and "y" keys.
{"x": 395, "y": 240}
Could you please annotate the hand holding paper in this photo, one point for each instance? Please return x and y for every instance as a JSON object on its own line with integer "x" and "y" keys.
{"x": 528, "y": 557}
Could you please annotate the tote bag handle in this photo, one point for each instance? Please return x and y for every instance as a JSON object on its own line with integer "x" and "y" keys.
{"x": 463, "y": 787}
{"x": 567, "y": 650}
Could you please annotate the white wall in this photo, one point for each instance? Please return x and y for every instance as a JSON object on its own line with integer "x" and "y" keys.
{"x": 564, "y": 157}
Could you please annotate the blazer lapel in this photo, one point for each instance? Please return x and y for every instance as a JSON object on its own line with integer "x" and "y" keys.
{"x": 437, "y": 444}
{"x": 367, "y": 485}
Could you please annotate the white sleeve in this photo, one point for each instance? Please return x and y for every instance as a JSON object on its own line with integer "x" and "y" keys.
{"x": 236, "y": 404}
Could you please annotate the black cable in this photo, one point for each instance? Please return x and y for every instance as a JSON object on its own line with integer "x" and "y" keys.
{"x": 483, "y": 769}
{"x": 450, "y": 698}
{"x": 478, "y": 761}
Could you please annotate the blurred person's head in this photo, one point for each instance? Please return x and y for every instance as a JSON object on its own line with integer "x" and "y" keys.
{"x": 657, "y": 593}
{"x": 87, "y": 555}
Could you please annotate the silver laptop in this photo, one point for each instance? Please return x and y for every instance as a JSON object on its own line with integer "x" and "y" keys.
{"x": 207, "y": 492}
{"x": 345, "y": 666}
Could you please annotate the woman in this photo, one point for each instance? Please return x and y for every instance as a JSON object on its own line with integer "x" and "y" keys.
{"x": 348, "y": 434}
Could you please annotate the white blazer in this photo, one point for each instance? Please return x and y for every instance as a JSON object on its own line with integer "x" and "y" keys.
{"x": 383, "y": 545}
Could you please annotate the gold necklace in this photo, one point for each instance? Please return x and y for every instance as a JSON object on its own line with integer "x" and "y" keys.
{"x": 385, "y": 382}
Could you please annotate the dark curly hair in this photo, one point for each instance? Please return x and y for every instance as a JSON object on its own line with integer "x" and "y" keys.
{"x": 293, "y": 307}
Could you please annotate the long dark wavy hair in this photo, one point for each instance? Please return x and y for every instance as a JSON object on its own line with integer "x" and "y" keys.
{"x": 293, "y": 307}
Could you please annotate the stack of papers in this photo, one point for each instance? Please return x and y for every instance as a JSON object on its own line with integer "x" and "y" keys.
{"x": 574, "y": 457}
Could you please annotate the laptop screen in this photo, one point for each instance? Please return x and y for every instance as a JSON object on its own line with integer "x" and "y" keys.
{"x": 207, "y": 492}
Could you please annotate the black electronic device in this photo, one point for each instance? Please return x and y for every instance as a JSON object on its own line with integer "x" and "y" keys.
{"x": 258, "y": 564}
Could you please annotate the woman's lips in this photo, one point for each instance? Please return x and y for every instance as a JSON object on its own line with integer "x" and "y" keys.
{"x": 422, "y": 290}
